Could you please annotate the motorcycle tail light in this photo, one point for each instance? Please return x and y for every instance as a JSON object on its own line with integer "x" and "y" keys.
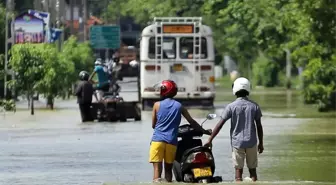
{"x": 199, "y": 157}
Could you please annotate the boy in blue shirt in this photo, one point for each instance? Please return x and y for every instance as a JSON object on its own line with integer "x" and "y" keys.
{"x": 245, "y": 130}
{"x": 103, "y": 82}
{"x": 166, "y": 119}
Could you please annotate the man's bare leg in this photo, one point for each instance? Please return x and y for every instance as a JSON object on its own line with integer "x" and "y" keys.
{"x": 95, "y": 94}
{"x": 239, "y": 175}
{"x": 168, "y": 172}
{"x": 253, "y": 174}
{"x": 157, "y": 171}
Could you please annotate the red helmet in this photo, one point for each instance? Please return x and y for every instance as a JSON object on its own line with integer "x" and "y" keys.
{"x": 168, "y": 88}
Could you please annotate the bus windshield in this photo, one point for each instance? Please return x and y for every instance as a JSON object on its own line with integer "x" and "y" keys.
{"x": 168, "y": 47}
{"x": 187, "y": 48}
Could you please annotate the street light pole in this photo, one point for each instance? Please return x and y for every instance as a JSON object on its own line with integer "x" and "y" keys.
{"x": 85, "y": 19}
{"x": 6, "y": 54}
{"x": 8, "y": 6}
{"x": 288, "y": 67}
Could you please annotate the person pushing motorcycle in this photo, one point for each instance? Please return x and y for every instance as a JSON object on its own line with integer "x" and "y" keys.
{"x": 84, "y": 93}
{"x": 166, "y": 118}
{"x": 245, "y": 130}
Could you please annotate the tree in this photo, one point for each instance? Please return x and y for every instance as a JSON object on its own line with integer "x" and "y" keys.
{"x": 265, "y": 72}
{"x": 320, "y": 83}
{"x": 23, "y": 5}
{"x": 144, "y": 11}
{"x": 39, "y": 69}
{"x": 57, "y": 75}
{"x": 80, "y": 55}
{"x": 28, "y": 62}
{"x": 243, "y": 28}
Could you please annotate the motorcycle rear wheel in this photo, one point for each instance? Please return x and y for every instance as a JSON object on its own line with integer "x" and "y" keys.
{"x": 205, "y": 181}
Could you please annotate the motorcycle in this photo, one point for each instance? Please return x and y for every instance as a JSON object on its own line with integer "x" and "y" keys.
{"x": 194, "y": 163}
{"x": 112, "y": 107}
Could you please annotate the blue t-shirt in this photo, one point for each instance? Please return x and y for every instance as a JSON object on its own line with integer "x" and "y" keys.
{"x": 168, "y": 121}
{"x": 102, "y": 76}
{"x": 243, "y": 113}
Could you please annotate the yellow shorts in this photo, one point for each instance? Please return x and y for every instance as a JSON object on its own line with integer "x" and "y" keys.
{"x": 161, "y": 151}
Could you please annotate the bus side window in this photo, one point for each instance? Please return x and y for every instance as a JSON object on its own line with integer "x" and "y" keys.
{"x": 187, "y": 47}
{"x": 151, "y": 48}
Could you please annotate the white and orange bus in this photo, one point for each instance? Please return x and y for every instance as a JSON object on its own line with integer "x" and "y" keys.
{"x": 180, "y": 49}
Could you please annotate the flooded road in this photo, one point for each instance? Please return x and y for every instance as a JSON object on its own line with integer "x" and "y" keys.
{"x": 53, "y": 147}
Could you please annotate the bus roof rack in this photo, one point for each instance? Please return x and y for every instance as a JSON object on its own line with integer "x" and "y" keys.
{"x": 178, "y": 19}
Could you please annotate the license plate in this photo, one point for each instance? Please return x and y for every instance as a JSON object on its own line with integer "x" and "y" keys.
{"x": 181, "y": 89}
{"x": 202, "y": 172}
{"x": 178, "y": 67}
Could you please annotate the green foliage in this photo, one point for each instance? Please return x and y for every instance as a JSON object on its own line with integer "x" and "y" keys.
{"x": 265, "y": 72}
{"x": 57, "y": 74}
{"x": 8, "y": 105}
{"x": 28, "y": 62}
{"x": 79, "y": 54}
{"x": 40, "y": 68}
{"x": 144, "y": 11}
{"x": 242, "y": 28}
{"x": 320, "y": 83}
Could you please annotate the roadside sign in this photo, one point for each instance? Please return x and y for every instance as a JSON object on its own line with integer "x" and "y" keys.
{"x": 105, "y": 37}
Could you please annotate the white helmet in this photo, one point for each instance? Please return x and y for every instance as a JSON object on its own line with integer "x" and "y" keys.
{"x": 98, "y": 62}
{"x": 133, "y": 63}
{"x": 241, "y": 84}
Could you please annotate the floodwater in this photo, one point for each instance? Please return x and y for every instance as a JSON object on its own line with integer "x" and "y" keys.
{"x": 53, "y": 147}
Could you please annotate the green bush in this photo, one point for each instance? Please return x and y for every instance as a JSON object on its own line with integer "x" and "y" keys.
{"x": 8, "y": 105}
{"x": 265, "y": 72}
{"x": 319, "y": 83}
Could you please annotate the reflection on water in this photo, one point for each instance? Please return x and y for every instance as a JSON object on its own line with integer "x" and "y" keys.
{"x": 54, "y": 148}
{"x": 62, "y": 151}
{"x": 280, "y": 101}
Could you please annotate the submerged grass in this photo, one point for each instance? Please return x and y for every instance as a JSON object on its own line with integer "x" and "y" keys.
{"x": 308, "y": 153}
{"x": 279, "y": 101}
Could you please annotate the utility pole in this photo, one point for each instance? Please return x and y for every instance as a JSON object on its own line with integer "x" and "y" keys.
{"x": 58, "y": 22}
{"x": 85, "y": 19}
{"x": 288, "y": 68}
{"x": 72, "y": 17}
{"x": 9, "y": 6}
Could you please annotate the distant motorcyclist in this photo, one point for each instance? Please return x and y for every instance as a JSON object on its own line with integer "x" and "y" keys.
{"x": 103, "y": 84}
{"x": 84, "y": 94}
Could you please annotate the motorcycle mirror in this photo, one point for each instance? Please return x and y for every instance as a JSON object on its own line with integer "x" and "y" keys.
{"x": 211, "y": 116}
